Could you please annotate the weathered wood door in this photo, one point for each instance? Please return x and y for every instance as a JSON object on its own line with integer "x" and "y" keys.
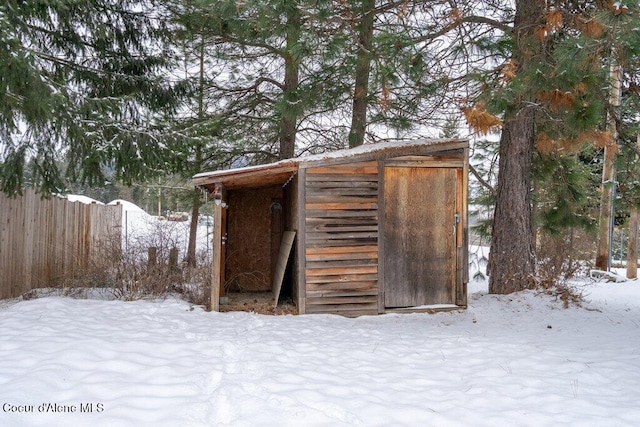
{"x": 419, "y": 232}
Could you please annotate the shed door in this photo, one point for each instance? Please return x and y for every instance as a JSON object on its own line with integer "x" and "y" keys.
{"x": 419, "y": 236}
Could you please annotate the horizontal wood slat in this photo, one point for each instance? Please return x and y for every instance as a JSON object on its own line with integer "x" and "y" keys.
{"x": 328, "y": 177}
{"x": 341, "y": 250}
{"x": 341, "y": 230}
{"x": 317, "y": 185}
{"x": 341, "y": 236}
{"x": 344, "y": 309}
{"x": 362, "y": 286}
{"x": 343, "y": 206}
{"x": 342, "y": 263}
{"x": 365, "y": 269}
{"x": 357, "y": 299}
{"x": 341, "y": 293}
{"x": 340, "y": 257}
{"x": 329, "y": 194}
{"x": 336, "y": 278}
{"x": 344, "y": 221}
{"x": 338, "y": 235}
{"x": 362, "y": 167}
{"x": 313, "y": 214}
{"x": 342, "y": 242}
{"x": 335, "y": 199}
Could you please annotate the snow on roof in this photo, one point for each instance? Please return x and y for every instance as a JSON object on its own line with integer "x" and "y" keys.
{"x": 376, "y": 147}
{"x": 292, "y": 164}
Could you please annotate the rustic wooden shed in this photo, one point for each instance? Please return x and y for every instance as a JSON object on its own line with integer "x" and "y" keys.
{"x": 378, "y": 228}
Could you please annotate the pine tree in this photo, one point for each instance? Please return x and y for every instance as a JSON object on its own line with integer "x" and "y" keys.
{"x": 254, "y": 50}
{"x": 512, "y": 259}
{"x": 551, "y": 91}
{"x": 81, "y": 80}
{"x": 363, "y": 69}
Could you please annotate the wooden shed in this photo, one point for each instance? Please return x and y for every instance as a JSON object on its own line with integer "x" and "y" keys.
{"x": 374, "y": 229}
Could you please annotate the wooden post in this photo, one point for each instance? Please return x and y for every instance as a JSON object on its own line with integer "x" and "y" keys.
{"x": 632, "y": 241}
{"x": 218, "y": 246}
{"x": 276, "y": 235}
{"x": 632, "y": 244}
{"x": 152, "y": 257}
{"x": 215, "y": 262}
{"x": 608, "y": 175}
{"x": 223, "y": 245}
{"x": 173, "y": 259}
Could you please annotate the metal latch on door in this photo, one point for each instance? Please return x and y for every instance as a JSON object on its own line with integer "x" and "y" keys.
{"x": 456, "y": 218}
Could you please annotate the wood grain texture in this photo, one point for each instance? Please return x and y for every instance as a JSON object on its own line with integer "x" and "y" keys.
{"x": 281, "y": 265}
{"x": 250, "y": 238}
{"x": 419, "y": 236}
{"x": 45, "y": 240}
{"x": 341, "y": 234}
{"x": 217, "y": 262}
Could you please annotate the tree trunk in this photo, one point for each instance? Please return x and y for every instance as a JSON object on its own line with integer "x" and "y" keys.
{"x": 632, "y": 241}
{"x": 193, "y": 229}
{"x": 291, "y": 108}
{"x": 608, "y": 175}
{"x": 632, "y": 244}
{"x": 195, "y": 209}
{"x": 363, "y": 68}
{"x": 512, "y": 258}
{"x": 512, "y": 255}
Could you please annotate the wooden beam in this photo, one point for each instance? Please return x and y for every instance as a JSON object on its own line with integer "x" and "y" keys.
{"x": 217, "y": 262}
{"x": 301, "y": 242}
{"x": 381, "y": 242}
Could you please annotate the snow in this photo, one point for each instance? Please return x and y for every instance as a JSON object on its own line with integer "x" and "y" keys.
{"x": 82, "y": 199}
{"x": 141, "y": 231}
{"x": 127, "y": 206}
{"x": 518, "y": 359}
{"x": 346, "y": 153}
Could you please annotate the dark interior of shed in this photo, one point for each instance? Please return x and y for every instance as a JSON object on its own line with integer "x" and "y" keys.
{"x": 256, "y": 219}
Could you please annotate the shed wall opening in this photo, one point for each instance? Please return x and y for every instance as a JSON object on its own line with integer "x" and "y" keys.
{"x": 256, "y": 220}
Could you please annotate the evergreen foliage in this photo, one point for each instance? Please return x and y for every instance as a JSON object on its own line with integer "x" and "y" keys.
{"x": 566, "y": 185}
{"x": 81, "y": 79}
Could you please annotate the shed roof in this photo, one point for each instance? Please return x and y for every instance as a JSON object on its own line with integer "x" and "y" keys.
{"x": 280, "y": 172}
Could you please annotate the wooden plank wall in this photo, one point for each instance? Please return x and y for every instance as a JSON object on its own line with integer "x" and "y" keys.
{"x": 341, "y": 239}
{"x": 41, "y": 240}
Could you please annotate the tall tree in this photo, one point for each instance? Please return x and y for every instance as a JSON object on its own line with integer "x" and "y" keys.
{"x": 512, "y": 260}
{"x": 254, "y": 51}
{"x": 551, "y": 94}
{"x": 362, "y": 72}
{"x": 81, "y": 79}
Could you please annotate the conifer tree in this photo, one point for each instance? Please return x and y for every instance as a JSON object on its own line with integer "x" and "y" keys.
{"x": 254, "y": 51}
{"x": 551, "y": 92}
{"x": 582, "y": 79}
{"x": 81, "y": 79}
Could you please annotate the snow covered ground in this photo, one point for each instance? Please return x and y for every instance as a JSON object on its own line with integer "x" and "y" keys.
{"x": 518, "y": 360}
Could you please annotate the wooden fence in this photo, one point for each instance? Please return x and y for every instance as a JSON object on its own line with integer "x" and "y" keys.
{"x": 45, "y": 240}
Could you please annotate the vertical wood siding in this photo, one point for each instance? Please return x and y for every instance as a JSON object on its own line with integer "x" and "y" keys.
{"x": 42, "y": 240}
{"x": 420, "y": 235}
{"x": 341, "y": 239}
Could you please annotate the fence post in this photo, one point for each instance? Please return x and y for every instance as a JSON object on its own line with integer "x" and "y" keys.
{"x": 173, "y": 259}
{"x": 152, "y": 259}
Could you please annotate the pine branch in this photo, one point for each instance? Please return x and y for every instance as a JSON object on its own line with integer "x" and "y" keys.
{"x": 482, "y": 181}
